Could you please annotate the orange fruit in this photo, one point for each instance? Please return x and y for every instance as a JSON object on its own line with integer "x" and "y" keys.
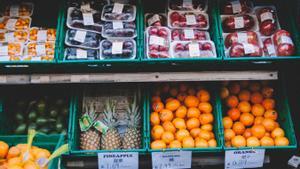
{"x": 238, "y": 141}
{"x": 258, "y": 120}
{"x": 212, "y": 135}
{"x": 203, "y": 95}
{"x": 232, "y": 101}
{"x": 277, "y": 124}
{"x": 193, "y": 112}
{"x": 205, "y": 135}
{"x": 13, "y": 152}
{"x": 228, "y": 134}
{"x": 281, "y": 141}
{"x": 155, "y": 99}
{"x": 244, "y": 95}
{"x": 268, "y": 104}
{"x": 254, "y": 86}
{"x": 181, "y": 112}
{"x": 268, "y": 134}
{"x": 257, "y": 110}
{"x": 154, "y": 118}
{"x": 258, "y": 131}
{"x": 253, "y": 142}
{"x": 256, "y": 98}
{"x": 183, "y": 87}
{"x": 175, "y": 144}
{"x": 179, "y": 123}
{"x": 247, "y": 133}
{"x": 192, "y": 123}
{"x": 244, "y": 107}
{"x": 181, "y": 96}
{"x": 266, "y": 141}
{"x": 172, "y": 105}
{"x": 166, "y": 115}
{"x": 191, "y": 101}
{"x": 180, "y": 134}
{"x": 167, "y": 137}
{"x": 188, "y": 142}
{"x": 200, "y": 143}
{"x": 157, "y": 132}
{"x": 191, "y": 91}
{"x": 207, "y": 127}
{"x": 234, "y": 88}
{"x": 238, "y": 128}
{"x": 158, "y": 144}
{"x": 3, "y": 149}
{"x": 168, "y": 126}
{"x": 173, "y": 91}
{"x": 277, "y": 132}
{"x": 169, "y": 99}
{"x": 205, "y": 107}
{"x": 271, "y": 114}
{"x": 18, "y": 161}
{"x": 269, "y": 124}
{"x": 30, "y": 165}
{"x": 157, "y": 106}
{"x": 195, "y": 132}
{"x": 206, "y": 119}
{"x": 247, "y": 119}
{"x": 234, "y": 114}
{"x": 212, "y": 143}
{"x": 228, "y": 144}
{"x": 267, "y": 92}
{"x": 244, "y": 83}
{"x": 227, "y": 122}
{"x": 224, "y": 92}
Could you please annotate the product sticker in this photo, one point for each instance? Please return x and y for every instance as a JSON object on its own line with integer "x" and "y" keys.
{"x": 271, "y": 50}
{"x": 9, "y": 37}
{"x": 81, "y": 54}
{"x": 236, "y": 6}
{"x": 266, "y": 16}
{"x": 248, "y": 48}
{"x": 42, "y": 35}
{"x": 117, "y": 25}
{"x": 189, "y": 33}
{"x": 187, "y": 4}
{"x": 14, "y": 10}
{"x": 80, "y": 36}
{"x": 155, "y": 40}
{"x": 101, "y": 127}
{"x": 153, "y": 19}
{"x": 118, "y": 8}
{"x": 285, "y": 39}
{"x": 40, "y": 50}
{"x": 117, "y": 48}
{"x": 242, "y": 37}
{"x": 88, "y": 19}
{"x": 3, "y": 50}
{"x": 190, "y": 20}
{"x": 239, "y": 22}
{"x": 85, "y": 122}
{"x": 194, "y": 50}
{"x": 10, "y": 24}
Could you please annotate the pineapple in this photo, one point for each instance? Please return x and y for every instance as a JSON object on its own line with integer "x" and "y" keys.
{"x": 132, "y": 136}
{"x": 90, "y": 139}
{"x": 111, "y": 140}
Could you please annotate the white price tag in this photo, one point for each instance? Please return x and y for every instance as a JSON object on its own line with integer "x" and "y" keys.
{"x": 153, "y": 19}
{"x": 242, "y": 37}
{"x": 14, "y": 10}
{"x": 236, "y": 6}
{"x": 189, "y": 33}
{"x": 117, "y": 48}
{"x": 120, "y": 160}
{"x": 118, "y": 8}
{"x": 81, "y": 54}
{"x": 251, "y": 158}
{"x": 40, "y": 50}
{"x": 294, "y": 161}
{"x": 187, "y": 4}
{"x": 42, "y": 35}
{"x": 80, "y": 36}
{"x": 117, "y": 25}
{"x": 266, "y": 16}
{"x": 271, "y": 50}
{"x": 10, "y": 24}
{"x": 156, "y": 40}
{"x": 88, "y": 19}
{"x": 248, "y": 48}
{"x": 194, "y": 50}
{"x": 239, "y": 22}
{"x": 191, "y": 20}
{"x": 9, "y": 37}
{"x": 285, "y": 39}
{"x": 3, "y": 50}
{"x": 172, "y": 160}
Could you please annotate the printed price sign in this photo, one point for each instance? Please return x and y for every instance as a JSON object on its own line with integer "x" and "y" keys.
{"x": 172, "y": 160}
{"x": 251, "y": 158}
{"x": 118, "y": 160}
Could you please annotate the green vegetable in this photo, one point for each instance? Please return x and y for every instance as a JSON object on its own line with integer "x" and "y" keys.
{"x": 41, "y": 107}
{"x": 32, "y": 116}
{"x": 59, "y": 126}
{"x": 32, "y": 126}
{"x": 53, "y": 113}
{"x": 41, "y": 121}
{"x": 19, "y": 117}
{"x": 44, "y": 130}
{"x": 21, "y": 129}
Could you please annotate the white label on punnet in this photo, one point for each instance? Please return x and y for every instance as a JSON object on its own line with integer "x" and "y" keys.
{"x": 3, "y": 50}
{"x": 117, "y": 25}
{"x": 155, "y": 40}
{"x": 81, "y": 54}
{"x": 88, "y": 19}
{"x": 286, "y": 39}
{"x": 194, "y": 50}
{"x": 187, "y": 4}
{"x": 14, "y": 10}
{"x": 271, "y": 50}
{"x": 191, "y": 20}
{"x": 80, "y": 36}
{"x": 9, "y": 37}
{"x": 266, "y": 16}
{"x": 242, "y": 37}
{"x": 11, "y": 24}
{"x": 40, "y": 50}
{"x": 117, "y": 48}
{"x": 153, "y": 19}
{"x": 239, "y": 22}
{"x": 236, "y": 6}
{"x": 248, "y": 48}
{"x": 42, "y": 35}
{"x": 189, "y": 33}
{"x": 118, "y": 8}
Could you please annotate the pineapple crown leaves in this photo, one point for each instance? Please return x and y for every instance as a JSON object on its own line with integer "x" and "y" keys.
{"x": 133, "y": 113}
{"x": 90, "y": 110}
{"x": 109, "y": 114}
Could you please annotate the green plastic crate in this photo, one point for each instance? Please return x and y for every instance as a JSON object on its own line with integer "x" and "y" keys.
{"x": 217, "y": 127}
{"x": 75, "y": 133}
{"x": 214, "y": 34}
{"x": 287, "y": 22}
{"x": 284, "y": 119}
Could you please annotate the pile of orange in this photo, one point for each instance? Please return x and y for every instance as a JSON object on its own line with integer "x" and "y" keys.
{"x": 251, "y": 119}
{"x": 181, "y": 117}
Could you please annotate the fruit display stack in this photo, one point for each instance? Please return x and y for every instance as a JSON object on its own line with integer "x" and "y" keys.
{"x": 250, "y": 117}
{"x": 182, "y": 32}
{"x": 21, "y": 42}
{"x": 181, "y": 117}
{"x": 111, "y": 120}
{"x": 251, "y": 30}
{"x": 89, "y": 22}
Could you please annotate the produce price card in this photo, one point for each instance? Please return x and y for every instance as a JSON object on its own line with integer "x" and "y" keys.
{"x": 251, "y": 158}
{"x": 172, "y": 160}
{"x": 118, "y": 160}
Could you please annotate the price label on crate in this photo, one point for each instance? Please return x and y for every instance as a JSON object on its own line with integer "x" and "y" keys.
{"x": 171, "y": 160}
{"x": 119, "y": 160}
{"x": 251, "y": 158}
